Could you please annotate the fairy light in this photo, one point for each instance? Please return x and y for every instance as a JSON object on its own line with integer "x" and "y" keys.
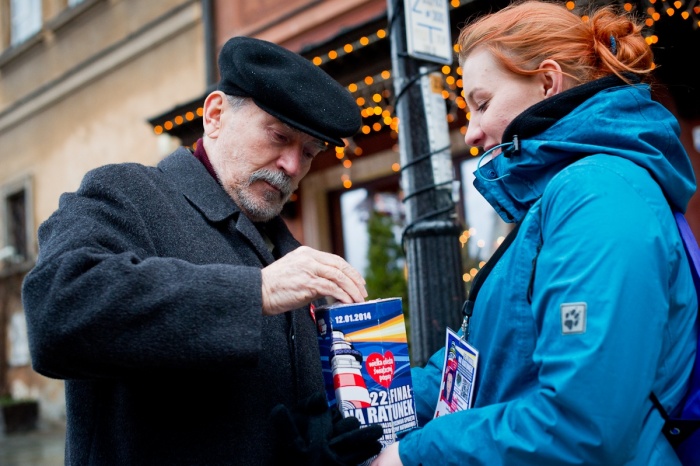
{"x": 373, "y": 93}
{"x": 370, "y": 89}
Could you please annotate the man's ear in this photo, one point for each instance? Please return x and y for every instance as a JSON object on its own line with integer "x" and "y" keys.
{"x": 552, "y": 77}
{"x": 213, "y": 108}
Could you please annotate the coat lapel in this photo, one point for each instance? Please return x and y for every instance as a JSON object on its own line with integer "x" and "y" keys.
{"x": 246, "y": 228}
{"x": 207, "y": 195}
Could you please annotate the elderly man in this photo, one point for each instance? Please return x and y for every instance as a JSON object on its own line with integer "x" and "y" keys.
{"x": 174, "y": 301}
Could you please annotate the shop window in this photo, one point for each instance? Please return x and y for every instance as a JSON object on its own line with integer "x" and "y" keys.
{"x": 354, "y": 216}
{"x": 352, "y": 210}
{"x": 372, "y": 223}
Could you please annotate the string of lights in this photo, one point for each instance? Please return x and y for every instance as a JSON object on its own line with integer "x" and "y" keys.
{"x": 377, "y": 103}
{"x": 374, "y": 93}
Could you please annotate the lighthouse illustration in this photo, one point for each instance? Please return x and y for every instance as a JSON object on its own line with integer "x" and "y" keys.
{"x": 346, "y": 365}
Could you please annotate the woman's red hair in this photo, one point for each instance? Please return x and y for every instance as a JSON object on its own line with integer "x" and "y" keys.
{"x": 524, "y": 34}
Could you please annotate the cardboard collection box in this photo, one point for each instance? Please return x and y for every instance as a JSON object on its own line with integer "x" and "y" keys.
{"x": 366, "y": 366}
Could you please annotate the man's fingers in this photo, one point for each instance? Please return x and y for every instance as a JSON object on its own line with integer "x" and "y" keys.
{"x": 339, "y": 263}
{"x": 348, "y": 287}
{"x": 307, "y": 274}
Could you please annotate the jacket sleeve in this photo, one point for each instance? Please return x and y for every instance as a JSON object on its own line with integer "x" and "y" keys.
{"x": 616, "y": 251}
{"x": 426, "y": 386}
{"x": 101, "y": 302}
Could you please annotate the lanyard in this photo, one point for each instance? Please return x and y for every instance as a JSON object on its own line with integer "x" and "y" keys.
{"x": 468, "y": 306}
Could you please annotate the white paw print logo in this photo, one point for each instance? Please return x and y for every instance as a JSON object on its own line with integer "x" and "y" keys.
{"x": 573, "y": 318}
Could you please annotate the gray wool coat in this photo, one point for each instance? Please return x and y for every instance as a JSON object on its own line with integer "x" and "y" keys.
{"x": 146, "y": 299}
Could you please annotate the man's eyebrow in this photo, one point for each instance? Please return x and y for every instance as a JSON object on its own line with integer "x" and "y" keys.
{"x": 321, "y": 145}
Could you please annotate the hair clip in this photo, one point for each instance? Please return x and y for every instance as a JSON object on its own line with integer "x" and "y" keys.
{"x": 613, "y": 45}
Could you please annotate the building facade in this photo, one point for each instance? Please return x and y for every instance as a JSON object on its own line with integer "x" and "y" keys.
{"x": 78, "y": 82}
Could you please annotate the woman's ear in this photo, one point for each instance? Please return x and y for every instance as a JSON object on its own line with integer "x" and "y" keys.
{"x": 552, "y": 77}
{"x": 211, "y": 117}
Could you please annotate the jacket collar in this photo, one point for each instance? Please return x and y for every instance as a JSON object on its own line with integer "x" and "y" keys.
{"x": 541, "y": 116}
{"x": 198, "y": 186}
{"x": 207, "y": 196}
{"x": 517, "y": 179}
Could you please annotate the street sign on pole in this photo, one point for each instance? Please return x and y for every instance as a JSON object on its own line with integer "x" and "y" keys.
{"x": 431, "y": 84}
{"x": 428, "y": 30}
{"x": 435, "y": 287}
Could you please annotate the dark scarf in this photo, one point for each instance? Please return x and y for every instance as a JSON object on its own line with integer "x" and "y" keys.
{"x": 201, "y": 155}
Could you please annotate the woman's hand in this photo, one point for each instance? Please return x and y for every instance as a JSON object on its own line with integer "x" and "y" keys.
{"x": 389, "y": 456}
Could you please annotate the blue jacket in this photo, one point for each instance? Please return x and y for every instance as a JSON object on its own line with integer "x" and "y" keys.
{"x": 596, "y": 170}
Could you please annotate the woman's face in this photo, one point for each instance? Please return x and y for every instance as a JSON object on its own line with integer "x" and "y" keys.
{"x": 495, "y": 96}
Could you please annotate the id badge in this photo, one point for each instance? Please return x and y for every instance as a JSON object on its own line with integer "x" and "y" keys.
{"x": 458, "y": 374}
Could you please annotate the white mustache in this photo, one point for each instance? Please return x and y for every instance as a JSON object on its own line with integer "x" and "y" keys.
{"x": 279, "y": 180}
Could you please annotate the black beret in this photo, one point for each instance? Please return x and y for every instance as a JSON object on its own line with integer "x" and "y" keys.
{"x": 288, "y": 87}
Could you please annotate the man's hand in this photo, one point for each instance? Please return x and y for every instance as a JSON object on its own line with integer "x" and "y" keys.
{"x": 306, "y": 274}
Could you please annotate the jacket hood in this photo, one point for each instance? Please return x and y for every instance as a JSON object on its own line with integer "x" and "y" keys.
{"x": 606, "y": 116}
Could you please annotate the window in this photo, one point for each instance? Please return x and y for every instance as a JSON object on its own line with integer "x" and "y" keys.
{"x": 25, "y": 20}
{"x": 16, "y": 220}
{"x": 19, "y": 344}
